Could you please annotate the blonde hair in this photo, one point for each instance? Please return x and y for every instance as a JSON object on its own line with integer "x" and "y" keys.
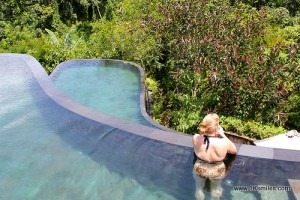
{"x": 209, "y": 124}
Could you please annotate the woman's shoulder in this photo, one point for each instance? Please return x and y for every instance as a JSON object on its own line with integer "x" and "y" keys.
{"x": 196, "y": 138}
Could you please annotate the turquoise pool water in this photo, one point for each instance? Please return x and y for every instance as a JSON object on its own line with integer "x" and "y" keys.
{"x": 109, "y": 87}
{"x": 46, "y": 151}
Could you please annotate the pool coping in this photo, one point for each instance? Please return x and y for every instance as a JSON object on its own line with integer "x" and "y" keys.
{"x": 171, "y": 137}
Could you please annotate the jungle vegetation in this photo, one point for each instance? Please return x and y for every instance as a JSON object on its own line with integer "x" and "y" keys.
{"x": 240, "y": 59}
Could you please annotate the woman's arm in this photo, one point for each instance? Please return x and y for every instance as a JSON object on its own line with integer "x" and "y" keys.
{"x": 231, "y": 147}
{"x": 195, "y": 139}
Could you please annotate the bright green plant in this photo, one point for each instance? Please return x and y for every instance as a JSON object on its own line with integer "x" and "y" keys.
{"x": 293, "y": 114}
{"x": 212, "y": 53}
{"x": 152, "y": 85}
{"x": 250, "y": 128}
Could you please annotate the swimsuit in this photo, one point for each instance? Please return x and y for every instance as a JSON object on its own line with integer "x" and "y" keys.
{"x": 210, "y": 170}
{"x": 215, "y": 170}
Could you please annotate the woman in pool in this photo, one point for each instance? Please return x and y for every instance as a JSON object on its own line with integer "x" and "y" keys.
{"x": 210, "y": 147}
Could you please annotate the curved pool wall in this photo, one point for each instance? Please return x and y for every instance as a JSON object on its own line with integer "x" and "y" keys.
{"x": 154, "y": 157}
{"x": 82, "y": 68}
{"x": 106, "y": 86}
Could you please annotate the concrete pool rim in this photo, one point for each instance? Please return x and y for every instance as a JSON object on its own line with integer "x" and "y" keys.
{"x": 170, "y": 137}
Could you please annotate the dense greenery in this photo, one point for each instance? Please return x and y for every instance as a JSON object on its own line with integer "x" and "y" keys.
{"x": 237, "y": 58}
{"x": 227, "y": 59}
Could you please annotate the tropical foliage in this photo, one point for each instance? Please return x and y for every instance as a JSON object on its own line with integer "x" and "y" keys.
{"x": 237, "y": 58}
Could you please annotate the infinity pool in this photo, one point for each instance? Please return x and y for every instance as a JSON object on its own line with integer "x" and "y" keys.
{"x": 54, "y": 148}
{"x": 110, "y": 87}
{"x": 48, "y": 152}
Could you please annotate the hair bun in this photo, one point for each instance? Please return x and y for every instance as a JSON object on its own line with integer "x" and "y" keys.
{"x": 209, "y": 124}
{"x": 203, "y": 128}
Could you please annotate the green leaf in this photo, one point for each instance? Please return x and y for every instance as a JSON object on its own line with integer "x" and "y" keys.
{"x": 52, "y": 36}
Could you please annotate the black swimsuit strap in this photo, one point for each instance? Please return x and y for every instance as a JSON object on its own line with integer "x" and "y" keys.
{"x": 206, "y": 140}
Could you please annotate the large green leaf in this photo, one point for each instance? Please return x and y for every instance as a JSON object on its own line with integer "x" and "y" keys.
{"x": 52, "y": 36}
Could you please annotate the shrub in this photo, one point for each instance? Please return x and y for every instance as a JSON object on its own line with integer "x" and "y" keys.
{"x": 293, "y": 114}
{"x": 213, "y": 57}
{"x": 250, "y": 128}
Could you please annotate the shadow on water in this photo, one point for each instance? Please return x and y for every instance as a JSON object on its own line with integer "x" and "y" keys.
{"x": 150, "y": 162}
{"x": 251, "y": 171}
{"x": 154, "y": 164}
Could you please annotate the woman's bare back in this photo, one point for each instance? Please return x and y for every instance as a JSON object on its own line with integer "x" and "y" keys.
{"x": 216, "y": 151}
